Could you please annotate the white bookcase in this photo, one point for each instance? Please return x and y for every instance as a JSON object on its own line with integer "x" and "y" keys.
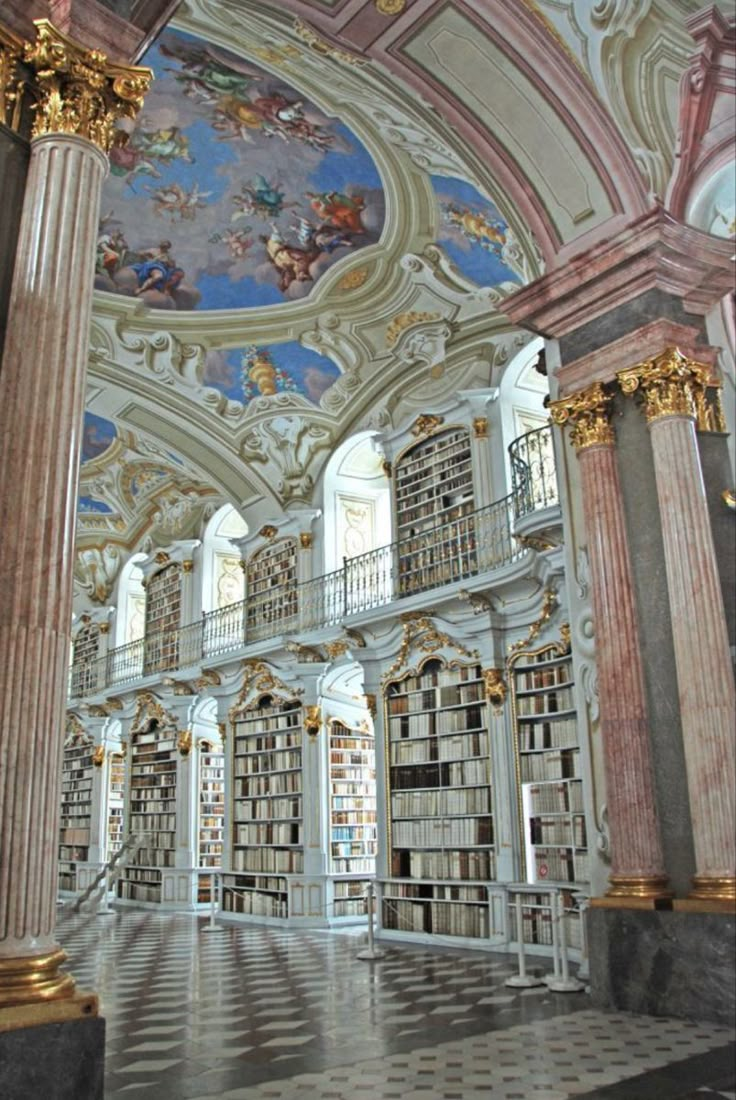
{"x": 151, "y": 811}
{"x": 115, "y": 804}
{"x": 440, "y": 828}
{"x": 271, "y": 588}
{"x": 76, "y": 808}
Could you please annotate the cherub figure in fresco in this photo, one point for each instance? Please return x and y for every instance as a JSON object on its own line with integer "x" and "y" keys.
{"x": 291, "y": 262}
{"x": 338, "y": 209}
{"x": 157, "y": 270}
{"x": 203, "y": 75}
{"x": 475, "y": 226}
{"x": 325, "y": 237}
{"x": 237, "y": 241}
{"x": 136, "y": 158}
{"x": 261, "y": 198}
{"x": 272, "y": 115}
{"x": 177, "y": 202}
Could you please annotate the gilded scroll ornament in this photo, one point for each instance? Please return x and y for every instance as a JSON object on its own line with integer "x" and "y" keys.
{"x": 670, "y": 383}
{"x": 98, "y": 756}
{"x": 496, "y": 688}
{"x": 312, "y": 720}
{"x": 184, "y": 742}
{"x": 404, "y": 320}
{"x": 728, "y": 496}
{"x": 426, "y": 424}
{"x": 268, "y": 531}
{"x": 548, "y": 605}
{"x": 480, "y": 427}
{"x": 306, "y": 539}
{"x": 258, "y": 677}
{"x": 390, "y": 7}
{"x": 371, "y": 704}
{"x": 422, "y": 634}
{"x": 81, "y": 92}
{"x": 11, "y": 80}
{"x": 588, "y": 412}
{"x": 319, "y": 45}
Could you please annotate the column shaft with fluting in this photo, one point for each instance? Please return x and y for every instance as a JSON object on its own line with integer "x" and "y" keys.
{"x": 702, "y": 654}
{"x": 42, "y": 385}
{"x": 637, "y": 864}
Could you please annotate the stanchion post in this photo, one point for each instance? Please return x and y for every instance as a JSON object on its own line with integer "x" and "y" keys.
{"x": 522, "y": 980}
{"x": 584, "y": 968}
{"x": 562, "y": 983}
{"x": 215, "y": 881}
{"x": 371, "y": 952}
{"x": 104, "y": 909}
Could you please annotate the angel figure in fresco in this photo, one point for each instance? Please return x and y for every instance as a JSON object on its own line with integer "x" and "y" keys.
{"x": 111, "y": 251}
{"x": 203, "y": 75}
{"x": 237, "y": 241}
{"x": 261, "y": 198}
{"x": 177, "y": 202}
{"x": 338, "y": 209}
{"x": 157, "y": 270}
{"x": 475, "y": 226}
{"x": 325, "y": 237}
{"x": 137, "y": 157}
{"x": 292, "y": 262}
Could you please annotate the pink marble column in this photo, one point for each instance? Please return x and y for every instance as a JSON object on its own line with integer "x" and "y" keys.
{"x": 42, "y": 384}
{"x": 702, "y": 654}
{"x": 637, "y": 872}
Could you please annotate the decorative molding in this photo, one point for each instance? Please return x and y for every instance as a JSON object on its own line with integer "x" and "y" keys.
{"x": 306, "y": 540}
{"x": 371, "y": 704}
{"x": 496, "y": 688}
{"x": 403, "y": 320}
{"x": 390, "y": 7}
{"x": 80, "y": 91}
{"x": 419, "y": 632}
{"x": 268, "y": 531}
{"x": 549, "y": 604}
{"x": 426, "y": 424}
{"x": 312, "y": 721}
{"x": 536, "y": 542}
{"x": 480, "y": 427}
{"x": 305, "y": 654}
{"x": 187, "y": 566}
{"x": 320, "y": 46}
{"x": 351, "y": 280}
{"x": 728, "y": 496}
{"x": 98, "y": 756}
{"x": 259, "y": 677}
{"x": 208, "y": 678}
{"x": 184, "y": 742}
{"x": 589, "y": 413}
{"x": 477, "y": 601}
{"x": 671, "y": 384}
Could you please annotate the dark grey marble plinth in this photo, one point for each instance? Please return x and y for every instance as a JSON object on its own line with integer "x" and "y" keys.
{"x": 54, "y": 1062}
{"x": 663, "y": 963}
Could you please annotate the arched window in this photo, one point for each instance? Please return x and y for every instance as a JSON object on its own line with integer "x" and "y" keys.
{"x": 223, "y": 581}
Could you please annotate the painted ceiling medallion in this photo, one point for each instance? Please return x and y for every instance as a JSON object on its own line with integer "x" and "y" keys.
{"x": 390, "y": 7}
{"x": 233, "y": 189}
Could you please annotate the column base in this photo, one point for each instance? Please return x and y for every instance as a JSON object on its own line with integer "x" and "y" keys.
{"x": 663, "y": 963}
{"x": 64, "y": 1060}
{"x": 714, "y": 888}
{"x": 31, "y": 979}
{"x": 634, "y": 892}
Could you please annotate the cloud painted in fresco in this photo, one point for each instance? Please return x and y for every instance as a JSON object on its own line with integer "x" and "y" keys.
{"x": 233, "y": 189}
{"x": 88, "y": 505}
{"x": 295, "y": 370}
{"x": 97, "y": 436}
{"x": 472, "y": 232}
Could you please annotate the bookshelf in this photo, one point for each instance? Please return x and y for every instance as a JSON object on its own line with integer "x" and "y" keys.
{"x": 210, "y": 815}
{"x": 152, "y": 811}
{"x": 76, "y": 809}
{"x": 550, "y": 785}
{"x": 86, "y": 652}
{"x": 433, "y": 498}
{"x": 271, "y": 591}
{"x": 115, "y": 804}
{"x": 163, "y": 618}
{"x": 267, "y": 826}
{"x": 440, "y": 828}
{"x": 352, "y": 800}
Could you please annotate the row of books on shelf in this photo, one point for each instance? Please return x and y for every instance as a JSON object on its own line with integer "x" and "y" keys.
{"x": 154, "y": 857}
{"x": 147, "y": 823}
{"x": 264, "y": 720}
{"x": 259, "y": 763}
{"x": 73, "y": 835}
{"x": 73, "y": 852}
{"x": 265, "y": 883}
{"x": 75, "y": 810}
{"x": 345, "y": 757}
{"x": 346, "y": 849}
{"x": 558, "y": 830}
{"x": 134, "y": 874}
{"x": 268, "y": 710}
{"x": 289, "y": 739}
{"x": 451, "y": 746}
{"x": 353, "y": 817}
{"x": 253, "y": 903}
{"x": 360, "y": 802}
{"x": 558, "y": 734}
{"x": 436, "y": 723}
{"x": 443, "y": 832}
{"x": 433, "y": 456}
{"x": 464, "y": 773}
{"x": 479, "y": 865}
{"x": 555, "y": 764}
{"x": 135, "y": 891}
{"x": 434, "y": 698}
{"x": 159, "y": 787}
{"x": 278, "y": 832}
{"x": 556, "y": 797}
{"x": 436, "y": 917}
{"x": 537, "y": 679}
{"x": 463, "y": 800}
{"x": 211, "y": 814}
{"x": 153, "y": 764}
{"x": 436, "y": 891}
{"x": 550, "y": 702}
{"x": 354, "y": 833}
{"x": 537, "y": 927}
{"x": 364, "y": 741}
{"x": 152, "y": 741}
{"x": 360, "y": 864}
{"x": 270, "y": 860}
{"x": 152, "y": 805}
{"x": 80, "y": 778}
{"x": 267, "y": 808}
{"x": 272, "y": 783}
{"x": 561, "y": 865}
{"x": 349, "y": 907}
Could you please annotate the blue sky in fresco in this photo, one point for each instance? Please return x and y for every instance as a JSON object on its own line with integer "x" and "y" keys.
{"x": 481, "y": 264}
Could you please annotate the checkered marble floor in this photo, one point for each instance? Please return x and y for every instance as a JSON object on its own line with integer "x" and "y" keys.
{"x": 259, "y": 1012}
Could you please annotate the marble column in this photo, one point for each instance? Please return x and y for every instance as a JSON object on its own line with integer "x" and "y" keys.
{"x": 637, "y": 871}
{"x": 672, "y": 387}
{"x": 42, "y": 384}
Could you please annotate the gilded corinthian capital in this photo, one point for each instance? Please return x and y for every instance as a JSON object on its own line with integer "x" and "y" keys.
{"x": 670, "y": 383}
{"x": 79, "y": 91}
{"x": 589, "y": 413}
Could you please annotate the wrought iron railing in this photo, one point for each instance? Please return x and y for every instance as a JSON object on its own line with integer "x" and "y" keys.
{"x": 533, "y": 473}
{"x": 468, "y": 546}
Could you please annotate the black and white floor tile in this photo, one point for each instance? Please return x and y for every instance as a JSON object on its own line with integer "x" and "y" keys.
{"x": 262, "y": 1013}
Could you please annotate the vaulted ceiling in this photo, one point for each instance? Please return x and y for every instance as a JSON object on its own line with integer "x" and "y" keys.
{"x": 320, "y": 211}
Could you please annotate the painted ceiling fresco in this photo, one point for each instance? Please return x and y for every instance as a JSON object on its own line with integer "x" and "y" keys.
{"x": 474, "y": 235}
{"x": 233, "y": 189}
{"x": 244, "y": 373}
